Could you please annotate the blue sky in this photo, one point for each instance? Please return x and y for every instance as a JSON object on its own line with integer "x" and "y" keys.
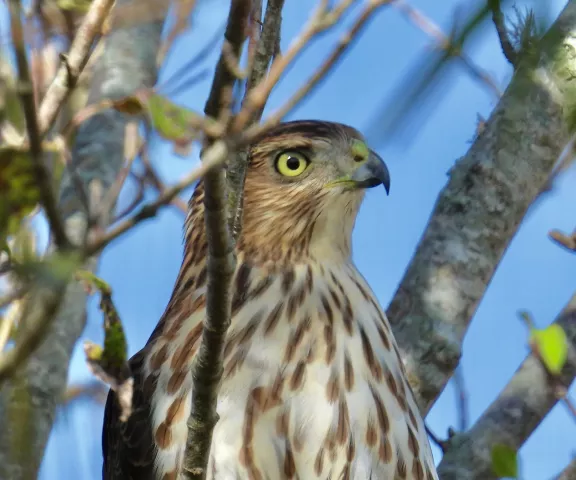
{"x": 535, "y": 274}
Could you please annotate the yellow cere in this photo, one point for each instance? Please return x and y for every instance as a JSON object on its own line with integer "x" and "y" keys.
{"x": 291, "y": 164}
{"x": 360, "y": 151}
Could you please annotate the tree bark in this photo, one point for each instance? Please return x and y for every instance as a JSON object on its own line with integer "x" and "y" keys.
{"x": 127, "y": 63}
{"x": 569, "y": 473}
{"x": 480, "y": 209}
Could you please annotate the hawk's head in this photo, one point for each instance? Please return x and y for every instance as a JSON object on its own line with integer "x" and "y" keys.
{"x": 304, "y": 185}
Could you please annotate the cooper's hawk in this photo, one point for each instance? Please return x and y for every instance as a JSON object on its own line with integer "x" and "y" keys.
{"x": 313, "y": 385}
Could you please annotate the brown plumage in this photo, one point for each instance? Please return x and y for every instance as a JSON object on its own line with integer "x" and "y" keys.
{"x": 313, "y": 384}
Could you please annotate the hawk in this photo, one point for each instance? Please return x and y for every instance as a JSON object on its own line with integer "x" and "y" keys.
{"x": 313, "y": 384}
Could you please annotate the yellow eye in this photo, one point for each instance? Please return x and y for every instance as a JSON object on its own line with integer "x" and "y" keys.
{"x": 291, "y": 164}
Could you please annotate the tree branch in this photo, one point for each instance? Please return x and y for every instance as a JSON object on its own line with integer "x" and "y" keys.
{"x": 479, "y": 211}
{"x": 498, "y": 19}
{"x": 514, "y": 415}
{"x": 73, "y": 63}
{"x": 265, "y": 51}
{"x": 321, "y": 20}
{"x": 221, "y": 263}
{"x": 26, "y": 89}
{"x": 127, "y": 64}
{"x": 569, "y": 473}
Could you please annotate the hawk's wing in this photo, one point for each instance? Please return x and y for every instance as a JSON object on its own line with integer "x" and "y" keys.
{"x": 128, "y": 447}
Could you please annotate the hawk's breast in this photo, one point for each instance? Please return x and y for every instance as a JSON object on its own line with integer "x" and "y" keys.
{"x": 313, "y": 384}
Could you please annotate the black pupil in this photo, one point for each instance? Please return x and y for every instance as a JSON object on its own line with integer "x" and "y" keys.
{"x": 293, "y": 163}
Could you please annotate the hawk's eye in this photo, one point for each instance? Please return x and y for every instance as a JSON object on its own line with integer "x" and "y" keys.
{"x": 291, "y": 164}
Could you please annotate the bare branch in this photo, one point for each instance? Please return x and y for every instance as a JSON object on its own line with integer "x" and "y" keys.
{"x": 562, "y": 394}
{"x": 498, "y": 19}
{"x": 566, "y": 241}
{"x": 263, "y": 53}
{"x": 94, "y": 390}
{"x": 477, "y": 213}
{"x": 461, "y": 399}
{"x": 266, "y": 47}
{"x": 321, "y": 20}
{"x": 569, "y": 473}
{"x": 221, "y": 263}
{"x": 8, "y": 322}
{"x": 43, "y": 181}
{"x": 73, "y": 63}
{"x": 445, "y": 43}
{"x": 132, "y": 146}
{"x": 441, "y": 444}
{"x": 151, "y": 177}
{"x": 11, "y": 297}
{"x": 184, "y": 9}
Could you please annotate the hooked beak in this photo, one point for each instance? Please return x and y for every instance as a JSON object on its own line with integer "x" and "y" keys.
{"x": 371, "y": 173}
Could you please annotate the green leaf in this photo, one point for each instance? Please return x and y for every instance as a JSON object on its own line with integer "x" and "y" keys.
{"x": 171, "y": 121}
{"x": 504, "y": 461}
{"x": 112, "y": 358}
{"x": 551, "y": 345}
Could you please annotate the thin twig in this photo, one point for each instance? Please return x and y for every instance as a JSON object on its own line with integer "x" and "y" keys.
{"x": 9, "y": 320}
{"x": 562, "y": 394}
{"x": 498, "y": 19}
{"x": 152, "y": 178}
{"x": 138, "y": 198}
{"x": 441, "y": 444}
{"x": 263, "y": 53}
{"x": 265, "y": 48}
{"x": 444, "y": 42}
{"x": 26, "y": 90}
{"x": 94, "y": 390}
{"x": 183, "y": 11}
{"x": 132, "y": 147}
{"x": 10, "y": 297}
{"x": 569, "y": 473}
{"x": 566, "y": 241}
{"x": 214, "y": 156}
{"x": 461, "y": 399}
{"x": 255, "y": 27}
{"x": 321, "y": 20}
{"x": 178, "y": 81}
{"x": 343, "y": 44}
{"x": 73, "y": 63}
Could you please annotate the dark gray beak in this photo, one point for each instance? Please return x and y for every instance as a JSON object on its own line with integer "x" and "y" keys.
{"x": 372, "y": 173}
